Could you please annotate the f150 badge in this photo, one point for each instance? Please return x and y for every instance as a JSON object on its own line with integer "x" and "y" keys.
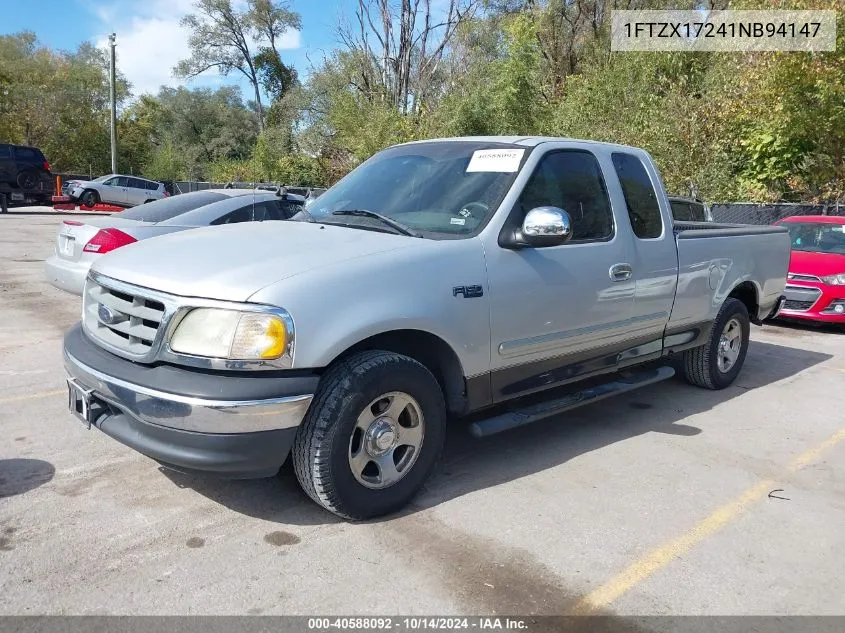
{"x": 468, "y": 292}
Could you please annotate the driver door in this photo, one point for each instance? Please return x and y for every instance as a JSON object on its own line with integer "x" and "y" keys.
{"x": 557, "y": 313}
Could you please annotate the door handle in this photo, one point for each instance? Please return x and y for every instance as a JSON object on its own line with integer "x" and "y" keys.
{"x": 621, "y": 272}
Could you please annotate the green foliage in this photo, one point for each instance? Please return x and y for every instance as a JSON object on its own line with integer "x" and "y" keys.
{"x": 56, "y": 101}
{"x": 726, "y": 126}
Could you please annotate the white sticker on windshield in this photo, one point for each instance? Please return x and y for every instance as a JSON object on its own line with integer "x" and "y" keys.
{"x": 501, "y": 160}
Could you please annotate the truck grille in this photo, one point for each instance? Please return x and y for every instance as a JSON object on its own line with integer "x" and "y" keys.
{"x": 127, "y": 322}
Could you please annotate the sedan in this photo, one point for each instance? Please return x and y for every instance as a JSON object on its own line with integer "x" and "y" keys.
{"x": 126, "y": 191}
{"x": 79, "y": 244}
{"x": 815, "y": 284}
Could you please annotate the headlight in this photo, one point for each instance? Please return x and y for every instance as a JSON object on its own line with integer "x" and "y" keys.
{"x": 835, "y": 280}
{"x": 233, "y": 335}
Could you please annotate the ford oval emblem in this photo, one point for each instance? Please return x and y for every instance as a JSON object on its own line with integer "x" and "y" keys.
{"x": 109, "y": 316}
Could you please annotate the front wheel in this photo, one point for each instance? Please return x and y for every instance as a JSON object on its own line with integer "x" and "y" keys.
{"x": 716, "y": 364}
{"x": 372, "y": 435}
{"x": 90, "y": 198}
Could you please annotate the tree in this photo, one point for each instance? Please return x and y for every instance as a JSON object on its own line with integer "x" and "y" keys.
{"x": 223, "y": 37}
{"x": 399, "y": 46}
{"x": 57, "y": 101}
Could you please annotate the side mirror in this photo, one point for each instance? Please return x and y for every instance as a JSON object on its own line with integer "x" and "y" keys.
{"x": 546, "y": 226}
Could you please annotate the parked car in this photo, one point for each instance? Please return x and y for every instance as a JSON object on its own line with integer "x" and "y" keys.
{"x": 25, "y": 174}
{"x": 437, "y": 279}
{"x": 79, "y": 243}
{"x": 815, "y": 288}
{"x": 126, "y": 191}
{"x": 689, "y": 210}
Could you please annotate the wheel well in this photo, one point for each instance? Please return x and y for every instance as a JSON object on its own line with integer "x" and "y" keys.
{"x": 430, "y": 350}
{"x": 747, "y": 293}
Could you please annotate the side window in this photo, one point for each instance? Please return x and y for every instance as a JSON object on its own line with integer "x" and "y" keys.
{"x": 119, "y": 181}
{"x": 25, "y": 153}
{"x": 111, "y": 182}
{"x": 681, "y": 211}
{"x": 244, "y": 214}
{"x": 288, "y": 209}
{"x": 262, "y": 211}
{"x": 640, "y": 197}
{"x": 571, "y": 180}
{"x": 697, "y": 213}
{"x": 136, "y": 183}
{"x": 150, "y": 185}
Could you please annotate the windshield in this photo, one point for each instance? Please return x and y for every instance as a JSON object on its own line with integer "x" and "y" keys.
{"x": 167, "y": 208}
{"x": 441, "y": 189}
{"x": 817, "y": 237}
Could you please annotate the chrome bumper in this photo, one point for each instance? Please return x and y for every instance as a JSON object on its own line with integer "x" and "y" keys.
{"x": 185, "y": 413}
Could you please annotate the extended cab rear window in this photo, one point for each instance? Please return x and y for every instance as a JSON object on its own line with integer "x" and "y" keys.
{"x": 640, "y": 197}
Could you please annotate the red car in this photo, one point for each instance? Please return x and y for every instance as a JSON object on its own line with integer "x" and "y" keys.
{"x": 815, "y": 284}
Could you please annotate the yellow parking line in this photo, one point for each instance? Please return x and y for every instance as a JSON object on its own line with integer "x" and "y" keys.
{"x": 32, "y": 396}
{"x": 661, "y": 556}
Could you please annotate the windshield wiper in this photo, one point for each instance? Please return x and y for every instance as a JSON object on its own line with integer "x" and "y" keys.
{"x": 364, "y": 213}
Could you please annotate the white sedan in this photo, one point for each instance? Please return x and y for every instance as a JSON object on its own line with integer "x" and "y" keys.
{"x": 79, "y": 244}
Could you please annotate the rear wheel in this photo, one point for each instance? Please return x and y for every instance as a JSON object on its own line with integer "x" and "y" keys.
{"x": 372, "y": 435}
{"x": 89, "y": 198}
{"x": 27, "y": 179}
{"x": 717, "y": 363}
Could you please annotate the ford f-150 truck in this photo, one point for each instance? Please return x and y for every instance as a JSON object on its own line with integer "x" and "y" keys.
{"x": 438, "y": 278}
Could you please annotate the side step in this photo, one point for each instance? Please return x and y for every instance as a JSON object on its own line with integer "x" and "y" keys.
{"x": 532, "y": 413}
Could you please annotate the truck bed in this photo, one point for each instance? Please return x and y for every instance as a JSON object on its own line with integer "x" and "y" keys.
{"x": 713, "y": 259}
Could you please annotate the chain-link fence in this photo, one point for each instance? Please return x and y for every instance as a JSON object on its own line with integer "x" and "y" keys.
{"x": 751, "y": 213}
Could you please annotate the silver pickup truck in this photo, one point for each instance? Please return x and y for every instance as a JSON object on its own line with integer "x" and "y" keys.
{"x": 438, "y": 278}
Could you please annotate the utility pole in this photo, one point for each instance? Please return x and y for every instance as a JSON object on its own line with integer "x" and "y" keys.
{"x": 113, "y": 100}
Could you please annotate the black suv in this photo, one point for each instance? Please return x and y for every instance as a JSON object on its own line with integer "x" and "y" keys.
{"x": 24, "y": 171}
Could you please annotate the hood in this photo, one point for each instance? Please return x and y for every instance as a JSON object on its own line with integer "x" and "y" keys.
{"x": 818, "y": 264}
{"x": 233, "y": 262}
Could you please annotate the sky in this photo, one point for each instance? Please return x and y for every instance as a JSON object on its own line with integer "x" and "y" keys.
{"x": 150, "y": 40}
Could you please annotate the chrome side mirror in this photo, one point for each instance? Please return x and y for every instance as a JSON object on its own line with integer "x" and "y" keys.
{"x": 546, "y": 226}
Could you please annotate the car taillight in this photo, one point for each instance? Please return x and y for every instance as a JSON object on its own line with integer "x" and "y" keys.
{"x": 107, "y": 240}
{"x": 46, "y": 166}
{"x": 166, "y": 194}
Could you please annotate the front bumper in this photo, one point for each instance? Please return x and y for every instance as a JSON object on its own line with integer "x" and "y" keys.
{"x": 816, "y": 301}
{"x": 230, "y": 425}
{"x": 65, "y": 274}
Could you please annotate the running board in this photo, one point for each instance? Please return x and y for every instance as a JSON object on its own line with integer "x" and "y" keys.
{"x": 534, "y": 412}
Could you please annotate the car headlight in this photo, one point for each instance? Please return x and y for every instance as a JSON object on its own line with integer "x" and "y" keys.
{"x": 233, "y": 334}
{"x": 835, "y": 280}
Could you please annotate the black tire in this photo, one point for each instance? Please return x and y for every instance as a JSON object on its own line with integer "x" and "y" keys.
{"x": 321, "y": 448}
{"x": 700, "y": 364}
{"x": 28, "y": 179}
{"x": 89, "y": 198}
